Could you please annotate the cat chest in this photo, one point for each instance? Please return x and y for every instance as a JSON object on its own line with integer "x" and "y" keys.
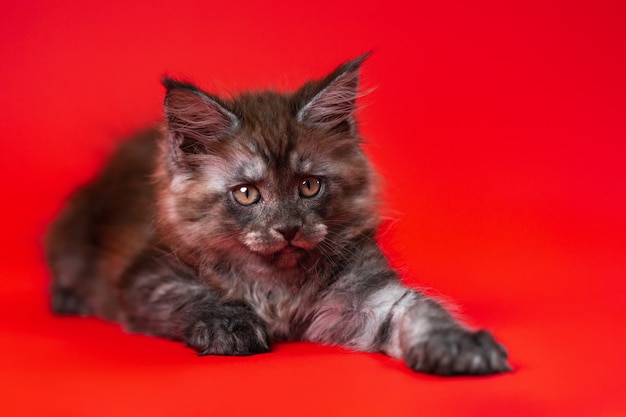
{"x": 283, "y": 306}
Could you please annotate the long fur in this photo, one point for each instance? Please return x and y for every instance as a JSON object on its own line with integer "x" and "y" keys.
{"x": 161, "y": 243}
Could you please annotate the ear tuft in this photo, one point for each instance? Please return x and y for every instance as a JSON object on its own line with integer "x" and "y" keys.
{"x": 333, "y": 103}
{"x": 194, "y": 118}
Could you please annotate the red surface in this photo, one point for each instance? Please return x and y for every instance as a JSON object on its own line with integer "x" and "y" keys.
{"x": 499, "y": 127}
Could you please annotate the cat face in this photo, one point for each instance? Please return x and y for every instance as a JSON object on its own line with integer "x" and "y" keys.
{"x": 279, "y": 176}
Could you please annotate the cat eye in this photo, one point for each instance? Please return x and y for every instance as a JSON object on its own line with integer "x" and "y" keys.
{"x": 246, "y": 195}
{"x": 310, "y": 187}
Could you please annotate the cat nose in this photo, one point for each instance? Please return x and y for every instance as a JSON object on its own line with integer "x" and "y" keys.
{"x": 288, "y": 232}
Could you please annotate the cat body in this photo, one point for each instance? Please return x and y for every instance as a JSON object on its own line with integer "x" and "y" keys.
{"x": 247, "y": 221}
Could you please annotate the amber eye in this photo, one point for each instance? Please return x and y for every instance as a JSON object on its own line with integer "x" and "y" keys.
{"x": 246, "y": 195}
{"x": 310, "y": 187}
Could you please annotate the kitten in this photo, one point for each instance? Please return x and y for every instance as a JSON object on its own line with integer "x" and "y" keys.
{"x": 248, "y": 221}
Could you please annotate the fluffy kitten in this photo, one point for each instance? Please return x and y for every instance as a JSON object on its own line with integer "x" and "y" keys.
{"x": 247, "y": 221}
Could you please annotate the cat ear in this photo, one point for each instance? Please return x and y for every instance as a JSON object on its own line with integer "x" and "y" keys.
{"x": 331, "y": 102}
{"x": 195, "y": 120}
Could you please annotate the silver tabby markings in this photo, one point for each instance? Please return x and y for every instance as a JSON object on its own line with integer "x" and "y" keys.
{"x": 244, "y": 221}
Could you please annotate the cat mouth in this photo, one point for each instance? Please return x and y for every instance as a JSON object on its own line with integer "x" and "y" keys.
{"x": 288, "y": 249}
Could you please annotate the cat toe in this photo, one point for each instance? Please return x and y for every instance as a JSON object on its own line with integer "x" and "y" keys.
{"x": 65, "y": 301}
{"x": 233, "y": 330}
{"x": 459, "y": 352}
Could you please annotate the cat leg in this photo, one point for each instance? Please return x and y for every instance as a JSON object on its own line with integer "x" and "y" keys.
{"x": 165, "y": 301}
{"x": 432, "y": 341}
{"x": 72, "y": 257}
{"x": 401, "y": 322}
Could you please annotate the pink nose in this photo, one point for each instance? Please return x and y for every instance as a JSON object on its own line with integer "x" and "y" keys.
{"x": 288, "y": 232}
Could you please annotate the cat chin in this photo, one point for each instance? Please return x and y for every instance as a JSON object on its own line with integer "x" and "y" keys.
{"x": 288, "y": 257}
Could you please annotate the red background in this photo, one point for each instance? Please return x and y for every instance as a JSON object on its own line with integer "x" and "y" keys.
{"x": 499, "y": 127}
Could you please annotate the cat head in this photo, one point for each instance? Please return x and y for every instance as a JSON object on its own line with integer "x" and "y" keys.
{"x": 278, "y": 176}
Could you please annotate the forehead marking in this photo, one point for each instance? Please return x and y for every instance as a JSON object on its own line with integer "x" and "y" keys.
{"x": 300, "y": 163}
{"x": 253, "y": 169}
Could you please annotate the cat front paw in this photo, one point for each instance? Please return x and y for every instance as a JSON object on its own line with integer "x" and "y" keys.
{"x": 457, "y": 351}
{"x": 233, "y": 329}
